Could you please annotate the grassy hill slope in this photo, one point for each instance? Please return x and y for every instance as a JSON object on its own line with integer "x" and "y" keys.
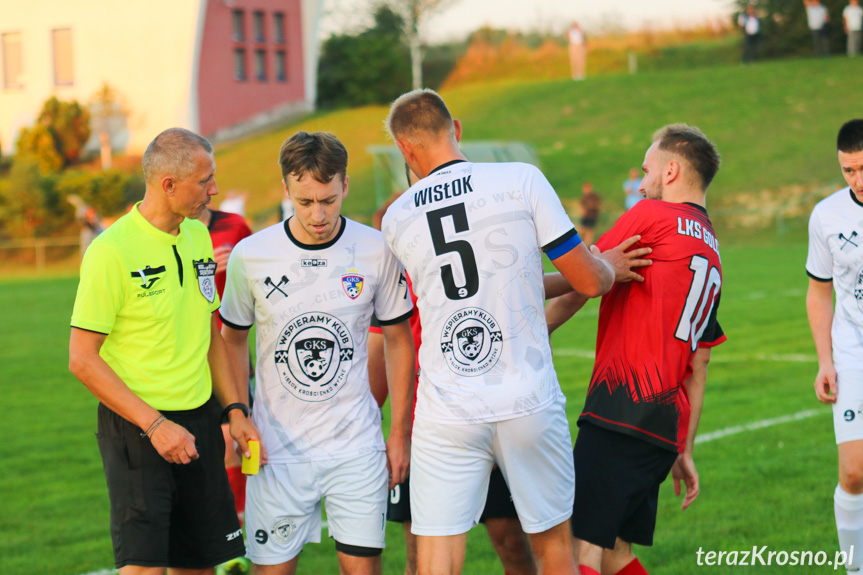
{"x": 773, "y": 122}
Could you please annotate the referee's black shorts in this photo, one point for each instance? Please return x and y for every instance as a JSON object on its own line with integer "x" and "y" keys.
{"x": 165, "y": 514}
{"x": 617, "y": 479}
{"x": 498, "y": 504}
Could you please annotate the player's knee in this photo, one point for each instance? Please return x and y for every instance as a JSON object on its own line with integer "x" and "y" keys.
{"x": 851, "y": 478}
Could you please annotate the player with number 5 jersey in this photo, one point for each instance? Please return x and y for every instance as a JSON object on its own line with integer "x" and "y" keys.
{"x": 471, "y": 237}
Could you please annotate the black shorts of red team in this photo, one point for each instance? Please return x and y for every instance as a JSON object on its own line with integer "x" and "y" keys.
{"x": 498, "y": 503}
{"x": 165, "y": 514}
{"x": 649, "y": 332}
{"x": 618, "y": 497}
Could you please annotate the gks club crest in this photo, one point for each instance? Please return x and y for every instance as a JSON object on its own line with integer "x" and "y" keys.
{"x": 471, "y": 342}
{"x": 314, "y": 354}
{"x": 352, "y": 282}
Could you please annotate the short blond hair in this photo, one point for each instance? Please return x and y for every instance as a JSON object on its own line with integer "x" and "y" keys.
{"x": 419, "y": 112}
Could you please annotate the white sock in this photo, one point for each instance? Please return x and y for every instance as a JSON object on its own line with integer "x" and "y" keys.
{"x": 849, "y": 525}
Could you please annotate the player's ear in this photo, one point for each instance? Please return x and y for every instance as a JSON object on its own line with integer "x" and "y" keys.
{"x": 167, "y": 183}
{"x": 457, "y": 123}
{"x": 345, "y": 187}
{"x": 672, "y": 171}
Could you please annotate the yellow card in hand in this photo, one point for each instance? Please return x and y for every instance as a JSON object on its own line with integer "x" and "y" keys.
{"x": 252, "y": 464}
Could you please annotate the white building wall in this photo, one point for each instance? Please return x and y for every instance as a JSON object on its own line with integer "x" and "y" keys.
{"x": 145, "y": 49}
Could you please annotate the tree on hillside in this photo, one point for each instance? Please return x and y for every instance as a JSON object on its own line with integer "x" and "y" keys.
{"x": 784, "y": 31}
{"x": 57, "y": 140}
{"x": 413, "y": 14}
{"x": 369, "y": 68}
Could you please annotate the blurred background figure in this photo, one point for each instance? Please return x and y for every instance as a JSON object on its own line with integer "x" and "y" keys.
{"x": 630, "y": 188}
{"x": 590, "y": 203}
{"x": 852, "y": 21}
{"x": 91, "y": 223}
{"x": 819, "y": 24}
{"x": 577, "y": 51}
{"x": 234, "y": 203}
{"x": 748, "y": 22}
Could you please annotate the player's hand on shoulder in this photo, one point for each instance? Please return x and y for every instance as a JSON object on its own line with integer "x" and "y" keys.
{"x": 623, "y": 262}
{"x": 825, "y": 384}
{"x": 684, "y": 470}
{"x": 174, "y": 443}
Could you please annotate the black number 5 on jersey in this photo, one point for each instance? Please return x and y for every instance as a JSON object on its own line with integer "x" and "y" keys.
{"x": 461, "y": 247}
{"x": 704, "y": 288}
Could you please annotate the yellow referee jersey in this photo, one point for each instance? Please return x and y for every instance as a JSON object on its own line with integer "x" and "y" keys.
{"x": 152, "y": 294}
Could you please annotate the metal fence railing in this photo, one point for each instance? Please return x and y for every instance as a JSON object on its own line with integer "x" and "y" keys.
{"x": 40, "y": 247}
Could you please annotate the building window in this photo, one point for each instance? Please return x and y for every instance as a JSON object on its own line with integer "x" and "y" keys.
{"x": 240, "y": 64}
{"x": 258, "y": 21}
{"x": 279, "y": 27}
{"x": 261, "y": 65}
{"x": 64, "y": 72}
{"x": 238, "y": 19}
{"x": 281, "y": 66}
{"x": 13, "y": 61}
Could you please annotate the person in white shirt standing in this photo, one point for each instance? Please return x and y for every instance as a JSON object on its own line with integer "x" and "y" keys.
{"x": 835, "y": 264}
{"x": 471, "y": 237}
{"x": 852, "y": 20}
{"x": 751, "y": 26}
{"x": 818, "y": 20}
{"x": 577, "y": 51}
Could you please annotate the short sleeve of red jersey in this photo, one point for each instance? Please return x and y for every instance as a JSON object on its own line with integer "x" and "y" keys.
{"x": 713, "y": 334}
{"x": 634, "y": 221}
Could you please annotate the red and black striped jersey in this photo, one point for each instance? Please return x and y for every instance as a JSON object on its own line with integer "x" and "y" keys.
{"x": 649, "y": 332}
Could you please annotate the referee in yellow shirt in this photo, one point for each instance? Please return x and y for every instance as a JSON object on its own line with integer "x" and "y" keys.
{"x": 144, "y": 341}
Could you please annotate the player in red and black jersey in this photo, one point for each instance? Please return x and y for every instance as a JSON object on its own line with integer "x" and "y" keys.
{"x": 652, "y": 350}
{"x": 226, "y": 230}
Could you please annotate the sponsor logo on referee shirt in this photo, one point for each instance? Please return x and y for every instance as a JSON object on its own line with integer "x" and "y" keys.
{"x": 471, "y": 342}
{"x": 148, "y": 276}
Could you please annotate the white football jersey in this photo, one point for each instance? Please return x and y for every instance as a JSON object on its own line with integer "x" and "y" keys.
{"x": 312, "y": 305}
{"x": 836, "y": 253}
{"x": 470, "y": 237}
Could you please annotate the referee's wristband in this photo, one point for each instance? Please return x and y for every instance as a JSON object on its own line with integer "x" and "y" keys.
{"x": 241, "y": 406}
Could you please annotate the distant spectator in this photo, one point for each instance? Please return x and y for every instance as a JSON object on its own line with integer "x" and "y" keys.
{"x": 749, "y": 23}
{"x": 91, "y": 223}
{"x": 590, "y": 204}
{"x": 577, "y": 51}
{"x": 852, "y": 21}
{"x": 630, "y": 188}
{"x": 819, "y": 24}
{"x": 234, "y": 203}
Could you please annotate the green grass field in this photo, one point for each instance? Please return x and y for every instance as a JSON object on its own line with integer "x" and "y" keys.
{"x": 774, "y": 124}
{"x": 771, "y": 486}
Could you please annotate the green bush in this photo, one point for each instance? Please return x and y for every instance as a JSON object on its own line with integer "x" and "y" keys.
{"x": 57, "y": 140}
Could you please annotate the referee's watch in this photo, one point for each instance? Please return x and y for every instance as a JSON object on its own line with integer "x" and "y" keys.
{"x": 241, "y": 406}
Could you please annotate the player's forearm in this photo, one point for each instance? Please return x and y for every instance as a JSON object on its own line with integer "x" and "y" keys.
{"x": 87, "y": 365}
{"x": 560, "y": 309}
{"x": 400, "y": 371}
{"x": 819, "y": 309}
{"x": 555, "y": 285}
{"x": 695, "y": 385}
{"x": 377, "y": 368}
{"x": 237, "y": 353}
{"x": 224, "y": 386}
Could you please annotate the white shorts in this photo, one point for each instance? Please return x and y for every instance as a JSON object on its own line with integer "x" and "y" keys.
{"x": 450, "y": 467}
{"x": 848, "y": 409}
{"x": 283, "y": 505}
